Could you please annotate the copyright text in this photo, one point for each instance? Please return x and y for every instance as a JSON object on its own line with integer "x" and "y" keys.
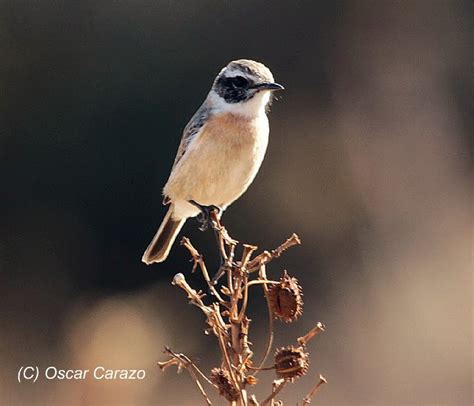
{"x": 28, "y": 373}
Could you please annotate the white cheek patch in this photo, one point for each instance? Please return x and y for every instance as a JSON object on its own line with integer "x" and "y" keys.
{"x": 218, "y": 103}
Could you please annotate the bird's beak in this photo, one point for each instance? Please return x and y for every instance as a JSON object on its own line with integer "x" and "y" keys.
{"x": 268, "y": 86}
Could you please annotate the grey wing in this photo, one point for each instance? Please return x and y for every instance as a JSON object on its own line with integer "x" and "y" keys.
{"x": 189, "y": 133}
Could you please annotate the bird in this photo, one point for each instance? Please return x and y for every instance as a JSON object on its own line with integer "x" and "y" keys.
{"x": 221, "y": 150}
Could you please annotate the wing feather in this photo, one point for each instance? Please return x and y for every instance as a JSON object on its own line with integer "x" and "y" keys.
{"x": 192, "y": 129}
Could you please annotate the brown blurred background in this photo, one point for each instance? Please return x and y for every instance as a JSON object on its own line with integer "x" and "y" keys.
{"x": 368, "y": 162}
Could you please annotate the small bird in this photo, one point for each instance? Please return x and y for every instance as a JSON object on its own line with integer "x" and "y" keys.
{"x": 221, "y": 150}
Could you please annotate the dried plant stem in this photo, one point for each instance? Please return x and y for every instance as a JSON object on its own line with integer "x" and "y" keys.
{"x": 265, "y": 257}
{"x": 311, "y": 334}
{"x": 277, "y": 386}
{"x": 182, "y": 361}
{"x": 262, "y": 275}
{"x": 223, "y": 237}
{"x": 261, "y": 369}
{"x": 197, "y": 258}
{"x": 253, "y": 401}
{"x": 200, "y": 387}
{"x": 226, "y": 313}
{"x": 194, "y": 297}
{"x": 262, "y": 282}
{"x": 222, "y": 343}
{"x": 316, "y": 388}
{"x": 247, "y": 253}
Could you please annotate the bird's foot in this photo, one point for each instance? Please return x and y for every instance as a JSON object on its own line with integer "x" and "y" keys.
{"x": 209, "y": 216}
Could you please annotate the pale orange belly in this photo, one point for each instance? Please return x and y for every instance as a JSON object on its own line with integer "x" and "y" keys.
{"x": 221, "y": 162}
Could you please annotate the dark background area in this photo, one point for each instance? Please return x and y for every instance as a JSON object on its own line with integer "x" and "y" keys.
{"x": 368, "y": 162}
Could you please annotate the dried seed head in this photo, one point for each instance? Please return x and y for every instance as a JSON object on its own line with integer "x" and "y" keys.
{"x": 286, "y": 299}
{"x": 291, "y": 362}
{"x": 221, "y": 378}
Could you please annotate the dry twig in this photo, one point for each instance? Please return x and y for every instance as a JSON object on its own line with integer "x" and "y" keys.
{"x": 228, "y": 321}
{"x": 182, "y": 361}
{"x": 314, "y": 390}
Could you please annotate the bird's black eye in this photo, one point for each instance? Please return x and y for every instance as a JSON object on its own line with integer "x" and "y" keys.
{"x": 239, "y": 82}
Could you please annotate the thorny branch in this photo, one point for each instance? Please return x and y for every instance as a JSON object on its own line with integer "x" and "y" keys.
{"x": 226, "y": 313}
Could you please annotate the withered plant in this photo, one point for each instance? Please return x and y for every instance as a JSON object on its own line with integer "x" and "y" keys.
{"x": 225, "y": 309}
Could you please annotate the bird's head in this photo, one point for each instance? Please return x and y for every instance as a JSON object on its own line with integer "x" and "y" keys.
{"x": 243, "y": 87}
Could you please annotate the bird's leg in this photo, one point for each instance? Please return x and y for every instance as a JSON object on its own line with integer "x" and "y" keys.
{"x": 207, "y": 215}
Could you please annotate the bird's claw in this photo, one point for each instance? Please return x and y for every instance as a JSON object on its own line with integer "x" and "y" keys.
{"x": 208, "y": 216}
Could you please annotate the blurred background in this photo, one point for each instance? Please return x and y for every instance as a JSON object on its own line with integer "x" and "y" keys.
{"x": 368, "y": 162}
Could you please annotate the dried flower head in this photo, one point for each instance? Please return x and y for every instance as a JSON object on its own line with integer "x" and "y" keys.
{"x": 286, "y": 299}
{"x": 221, "y": 378}
{"x": 291, "y": 362}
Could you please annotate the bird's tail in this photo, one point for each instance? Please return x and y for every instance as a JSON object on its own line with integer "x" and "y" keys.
{"x": 160, "y": 246}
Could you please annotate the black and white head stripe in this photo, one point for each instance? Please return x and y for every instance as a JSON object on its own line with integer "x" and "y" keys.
{"x": 240, "y": 80}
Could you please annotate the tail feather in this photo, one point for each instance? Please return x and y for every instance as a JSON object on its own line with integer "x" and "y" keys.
{"x": 160, "y": 246}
